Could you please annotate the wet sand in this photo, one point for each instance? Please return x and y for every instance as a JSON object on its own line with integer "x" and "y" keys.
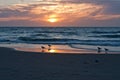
{"x": 20, "y": 65}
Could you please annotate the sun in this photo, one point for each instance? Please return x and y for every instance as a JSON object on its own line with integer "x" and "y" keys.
{"x": 52, "y": 51}
{"x": 52, "y": 20}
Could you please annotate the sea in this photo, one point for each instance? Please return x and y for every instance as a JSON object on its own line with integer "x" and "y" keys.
{"x": 75, "y": 37}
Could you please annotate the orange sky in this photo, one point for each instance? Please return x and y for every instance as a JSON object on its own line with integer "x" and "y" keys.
{"x": 57, "y": 13}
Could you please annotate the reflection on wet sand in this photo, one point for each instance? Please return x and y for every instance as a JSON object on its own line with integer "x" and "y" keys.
{"x": 54, "y": 49}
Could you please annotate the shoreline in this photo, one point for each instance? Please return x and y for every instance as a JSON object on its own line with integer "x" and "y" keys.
{"x": 57, "y": 48}
{"x": 62, "y": 49}
{"x": 18, "y": 50}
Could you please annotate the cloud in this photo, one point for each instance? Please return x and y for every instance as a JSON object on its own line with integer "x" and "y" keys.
{"x": 106, "y": 17}
{"x": 14, "y": 18}
{"x": 70, "y": 11}
{"x": 66, "y": 11}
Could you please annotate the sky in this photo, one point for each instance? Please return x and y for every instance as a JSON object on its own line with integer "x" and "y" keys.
{"x": 78, "y": 13}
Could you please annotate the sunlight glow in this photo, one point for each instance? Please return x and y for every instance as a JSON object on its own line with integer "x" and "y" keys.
{"x": 52, "y": 20}
{"x": 52, "y": 51}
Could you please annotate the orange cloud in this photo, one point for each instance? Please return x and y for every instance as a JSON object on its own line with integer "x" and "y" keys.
{"x": 106, "y": 17}
{"x": 14, "y": 18}
{"x": 65, "y": 11}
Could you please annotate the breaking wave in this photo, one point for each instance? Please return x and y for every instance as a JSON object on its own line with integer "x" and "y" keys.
{"x": 107, "y": 36}
{"x": 70, "y": 41}
{"x": 52, "y": 40}
{"x": 105, "y": 32}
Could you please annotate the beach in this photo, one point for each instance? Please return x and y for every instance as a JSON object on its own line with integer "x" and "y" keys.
{"x": 60, "y": 40}
{"x": 20, "y": 65}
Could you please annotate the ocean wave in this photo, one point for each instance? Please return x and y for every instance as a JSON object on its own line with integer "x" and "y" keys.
{"x": 100, "y": 42}
{"x": 49, "y": 34}
{"x": 40, "y": 34}
{"x": 4, "y": 40}
{"x": 105, "y": 32}
{"x": 107, "y": 36}
{"x": 53, "y": 40}
{"x": 64, "y": 33}
{"x": 55, "y": 32}
{"x": 70, "y": 41}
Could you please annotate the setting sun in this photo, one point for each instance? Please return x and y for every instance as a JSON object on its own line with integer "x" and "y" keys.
{"x": 52, "y": 51}
{"x": 52, "y": 20}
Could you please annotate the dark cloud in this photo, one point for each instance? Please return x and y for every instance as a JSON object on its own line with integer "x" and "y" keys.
{"x": 111, "y": 6}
